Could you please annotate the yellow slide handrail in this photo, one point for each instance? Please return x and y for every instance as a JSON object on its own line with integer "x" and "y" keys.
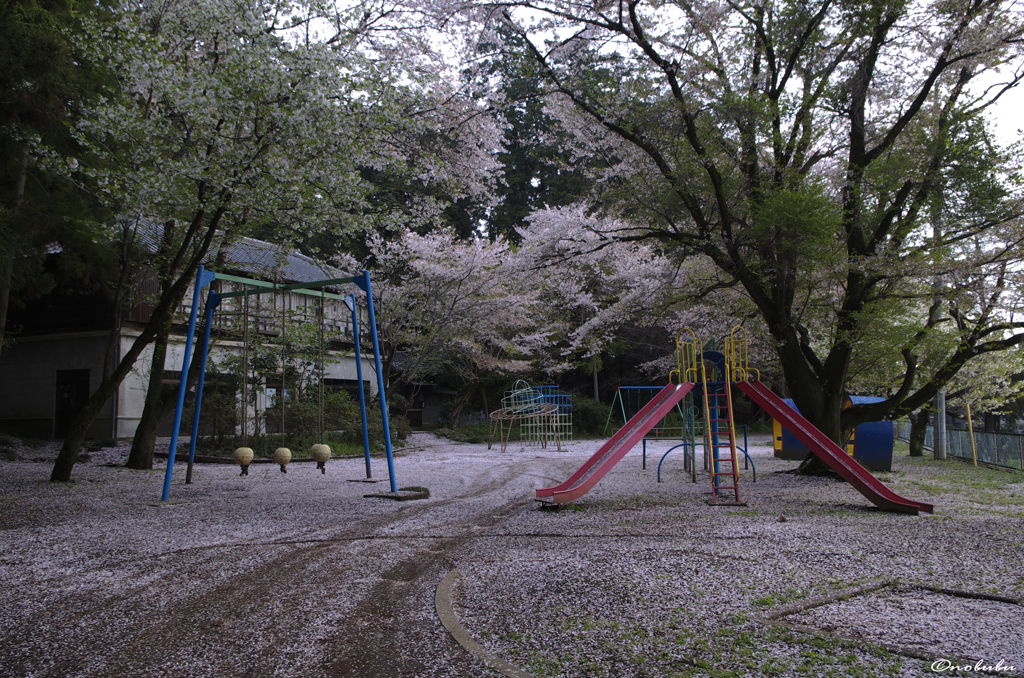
{"x": 736, "y": 357}
{"x": 689, "y": 358}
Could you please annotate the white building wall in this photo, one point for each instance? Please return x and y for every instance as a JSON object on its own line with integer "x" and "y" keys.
{"x": 28, "y": 376}
{"x": 131, "y": 397}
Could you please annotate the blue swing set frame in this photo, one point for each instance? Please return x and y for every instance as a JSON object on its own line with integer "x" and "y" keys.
{"x": 204, "y": 278}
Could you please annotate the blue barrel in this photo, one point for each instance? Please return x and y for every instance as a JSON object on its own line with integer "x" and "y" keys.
{"x": 786, "y": 444}
{"x": 872, "y": 440}
{"x": 870, "y": 444}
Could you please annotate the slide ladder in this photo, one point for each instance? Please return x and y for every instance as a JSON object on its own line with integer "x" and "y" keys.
{"x": 721, "y": 430}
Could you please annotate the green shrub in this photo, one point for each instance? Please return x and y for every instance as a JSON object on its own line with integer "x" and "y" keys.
{"x": 760, "y": 426}
{"x": 588, "y": 416}
{"x": 473, "y": 433}
{"x": 343, "y": 428}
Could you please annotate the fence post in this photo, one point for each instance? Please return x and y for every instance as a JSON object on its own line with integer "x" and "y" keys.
{"x": 970, "y": 429}
{"x": 939, "y": 443}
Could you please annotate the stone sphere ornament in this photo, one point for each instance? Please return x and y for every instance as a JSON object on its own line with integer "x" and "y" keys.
{"x": 282, "y": 456}
{"x": 320, "y": 453}
{"x": 243, "y": 457}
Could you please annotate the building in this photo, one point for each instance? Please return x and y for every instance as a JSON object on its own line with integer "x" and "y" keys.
{"x": 68, "y": 336}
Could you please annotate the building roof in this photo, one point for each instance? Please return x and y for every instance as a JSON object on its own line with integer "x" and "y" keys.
{"x": 265, "y": 260}
{"x": 251, "y": 257}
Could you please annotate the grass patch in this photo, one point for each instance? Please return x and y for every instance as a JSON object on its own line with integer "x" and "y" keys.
{"x": 684, "y": 647}
{"x": 472, "y": 433}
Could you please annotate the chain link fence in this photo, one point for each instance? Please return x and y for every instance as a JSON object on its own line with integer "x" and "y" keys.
{"x": 997, "y": 449}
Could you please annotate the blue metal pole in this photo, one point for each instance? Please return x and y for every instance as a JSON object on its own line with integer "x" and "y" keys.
{"x": 745, "y": 448}
{"x": 204, "y": 348}
{"x": 203, "y": 278}
{"x": 359, "y": 377}
{"x": 682, "y": 445}
{"x": 365, "y": 285}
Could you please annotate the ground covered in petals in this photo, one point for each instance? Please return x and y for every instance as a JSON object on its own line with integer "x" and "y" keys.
{"x": 301, "y": 574}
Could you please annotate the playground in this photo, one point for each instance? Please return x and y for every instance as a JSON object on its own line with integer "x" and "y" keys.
{"x": 300, "y": 574}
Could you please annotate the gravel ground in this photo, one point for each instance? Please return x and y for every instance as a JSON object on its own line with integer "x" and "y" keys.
{"x": 298, "y": 574}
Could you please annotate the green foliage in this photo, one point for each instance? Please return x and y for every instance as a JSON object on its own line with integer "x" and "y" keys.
{"x": 44, "y": 82}
{"x": 472, "y": 433}
{"x": 588, "y": 416}
{"x": 342, "y": 426}
{"x": 797, "y": 223}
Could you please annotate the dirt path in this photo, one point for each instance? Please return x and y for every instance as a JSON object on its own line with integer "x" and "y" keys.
{"x": 354, "y": 598}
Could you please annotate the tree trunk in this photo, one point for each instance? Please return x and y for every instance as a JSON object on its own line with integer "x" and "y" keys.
{"x": 827, "y": 420}
{"x": 483, "y": 397}
{"x": 6, "y": 269}
{"x": 80, "y": 426}
{"x": 992, "y": 422}
{"x": 120, "y": 292}
{"x": 918, "y": 429}
{"x": 7, "y": 254}
{"x": 144, "y": 441}
{"x": 457, "y": 412}
{"x": 160, "y": 402}
{"x": 164, "y": 312}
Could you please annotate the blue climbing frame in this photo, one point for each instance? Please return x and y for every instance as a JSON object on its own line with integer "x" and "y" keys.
{"x": 203, "y": 279}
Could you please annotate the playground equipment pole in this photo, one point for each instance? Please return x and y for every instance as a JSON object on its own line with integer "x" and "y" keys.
{"x": 203, "y": 278}
{"x": 204, "y": 347}
{"x": 970, "y": 430}
{"x": 351, "y": 301}
{"x": 364, "y": 283}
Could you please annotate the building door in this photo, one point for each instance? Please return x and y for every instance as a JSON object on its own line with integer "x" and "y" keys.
{"x": 72, "y": 394}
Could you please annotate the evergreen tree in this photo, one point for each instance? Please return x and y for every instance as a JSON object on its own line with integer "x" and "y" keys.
{"x": 536, "y": 168}
{"x": 43, "y": 83}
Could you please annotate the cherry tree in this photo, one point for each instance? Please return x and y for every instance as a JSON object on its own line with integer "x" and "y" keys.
{"x": 827, "y": 159}
{"x": 451, "y": 305}
{"x": 591, "y": 284}
{"x": 225, "y": 118}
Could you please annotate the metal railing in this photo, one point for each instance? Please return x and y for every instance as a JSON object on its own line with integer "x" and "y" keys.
{"x": 998, "y": 449}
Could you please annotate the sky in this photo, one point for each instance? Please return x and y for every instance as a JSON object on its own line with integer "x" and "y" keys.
{"x": 1008, "y": 114}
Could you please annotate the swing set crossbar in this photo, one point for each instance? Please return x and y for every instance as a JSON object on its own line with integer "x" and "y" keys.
{"x": 261, "y": 287}
{"x": 203, "y": 279}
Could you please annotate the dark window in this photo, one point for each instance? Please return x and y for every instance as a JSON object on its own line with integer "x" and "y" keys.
{"x": 72, "y": 394}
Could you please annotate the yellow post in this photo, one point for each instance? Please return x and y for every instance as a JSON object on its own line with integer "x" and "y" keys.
{"x": 970, "y": 429}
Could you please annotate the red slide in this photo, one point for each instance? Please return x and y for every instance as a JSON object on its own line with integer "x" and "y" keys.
{"x": 830, "y": 453}
{"x": 617, "y": 446}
